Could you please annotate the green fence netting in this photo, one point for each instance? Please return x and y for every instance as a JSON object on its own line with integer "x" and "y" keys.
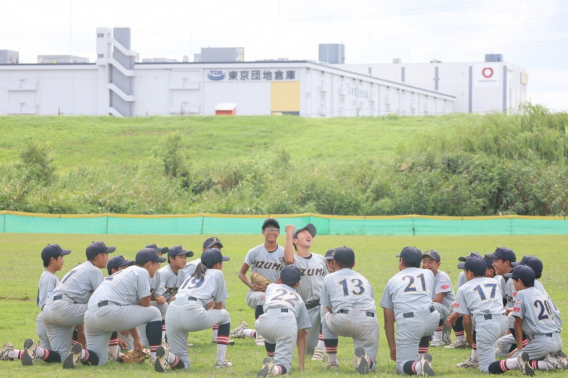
{"x": 208, "y": 224}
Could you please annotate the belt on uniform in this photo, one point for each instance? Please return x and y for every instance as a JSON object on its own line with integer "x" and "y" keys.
{"x": 103, "y": 303}
{"x": 57, "y": 297}
{"x": 368, "y": 313}
{"x": 276, "y": 311}
{"x": 312, "y": 304}
{"x": 188, "y": 298}
{"x": 411, "y": 314}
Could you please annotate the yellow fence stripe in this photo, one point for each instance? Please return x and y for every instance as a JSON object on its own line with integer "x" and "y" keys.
{"x": 259, "y": 216}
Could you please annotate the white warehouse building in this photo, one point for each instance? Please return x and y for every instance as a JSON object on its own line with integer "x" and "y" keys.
{"x": 485, "y": 87}
{"x": 115, "y": 84}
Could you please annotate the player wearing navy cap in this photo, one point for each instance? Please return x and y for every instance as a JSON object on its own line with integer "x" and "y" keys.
{"x": 459, "y": 342}
{"x": 66, "y": 307}
{"x": 52, "y": 256}
{"x": 314, "y": 269}
{"x": 284, "y": 323}
{"x": 444, "y": 295}
{"x": 266, "y": 259}
{"x": 212, "y": 242}
{"x": 479, "y": 302}
{"x": 351, "y": 312}
{"x": 122, "y": 301}
{"x": 187, "y": 313}
{"x": 533, "y": 316}
{"x": 114, "y": 265}
{"x": 407, "y": 299}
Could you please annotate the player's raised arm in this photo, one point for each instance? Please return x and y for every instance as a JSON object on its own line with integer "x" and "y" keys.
{"x": 289, "y": 247}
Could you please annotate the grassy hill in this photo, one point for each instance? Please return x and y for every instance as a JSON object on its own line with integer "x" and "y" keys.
{"x": 95, "y": 141}
{"x": 462, "y": 165}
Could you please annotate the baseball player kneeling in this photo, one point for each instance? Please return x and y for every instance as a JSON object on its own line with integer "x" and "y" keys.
{"x": 479, "y": 301}
{"x": 350, "y": 302}
{"x": 533, "y": 316}
{"x": 188, "y": 313}
{"x": 122, "y": 302}
{"x": 408, "y": 301}
{"x": 284, "y": 323}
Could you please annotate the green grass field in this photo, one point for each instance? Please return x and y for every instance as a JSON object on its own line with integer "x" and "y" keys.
{"x": 93, "y": 141}
{"x": 20, "y": 268}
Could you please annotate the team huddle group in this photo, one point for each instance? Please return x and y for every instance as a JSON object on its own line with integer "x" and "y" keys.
{"x": 300, "y": 299}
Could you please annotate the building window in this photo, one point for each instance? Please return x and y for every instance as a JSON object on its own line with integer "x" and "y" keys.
{"x": 100, "y": 35}
{"x": 100, "y": 55}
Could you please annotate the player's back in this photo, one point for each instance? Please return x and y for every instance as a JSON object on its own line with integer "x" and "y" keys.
{"x": 410, "y": 290}
{"x": 347, "y": 290}
{"x": 536, "y": 311}
{"x": 125, "y": 287}
{"x": 482, "y": 296}
{"x": 283, "y": 296}
{"x": 78, "y": 284}
{"x": 209, "y": 287}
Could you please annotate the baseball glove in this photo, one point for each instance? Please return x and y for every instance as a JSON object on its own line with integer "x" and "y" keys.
{"x": 259, "y": 280}
{"x": 132, "y": 357}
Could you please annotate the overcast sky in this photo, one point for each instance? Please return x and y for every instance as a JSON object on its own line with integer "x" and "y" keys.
{"x": 529, "y": 33}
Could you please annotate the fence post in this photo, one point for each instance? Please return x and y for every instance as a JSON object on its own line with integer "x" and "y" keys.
{"x": 202, "y": 221}
{"x": 413, "y": 229}
{"x": 106, "y": 231}
{"x": 5, "y": 216}
{"x": 511, "y": 225}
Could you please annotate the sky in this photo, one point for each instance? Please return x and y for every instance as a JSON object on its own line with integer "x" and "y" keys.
{"x": 532, "y": 34}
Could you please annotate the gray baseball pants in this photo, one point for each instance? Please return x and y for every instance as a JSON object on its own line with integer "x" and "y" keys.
{"x": 540, "y": 345}
{"x": 42, "y": 332}
{"x": 186, "y": 316}
{"x": 312, "y": 337}
{"x": 487, "y": 332}
{"x": 101, "y": 322}
{"x": 254, "y": 298}
{"x": 280, "y": 328}
{"x": 358, "y": 325}
{"x": 60, "y": 319}
{"x": 142, "y": 328}
{"x": 409, "y": 331}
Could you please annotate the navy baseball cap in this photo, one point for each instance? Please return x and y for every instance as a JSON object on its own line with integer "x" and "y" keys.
{"x": 309, "y": 227}
{"x": 116, "y": 262}
{"x": 488, "y": 263}
{"x": 534, "y": 262}
{"x": 270, "y": 222}
{"x": 53, "y": 250}
{"x": 98, "y": 247}
{"x": 503, "y": 253}
{"x": 344, "y": 255}
{"x": 148, "y": 254}
{"x": 411, "y": 254}
{"x": 475, "y": 265}
{"x": 290, "y": 275}
{"x": 212, "y": 256}
{"x": 329, "y": 254}
{"x": 210, "y": 242}
{"x": 178, "y": 250}
{"x": 158, "y": 248}
{"x": 522, "y": 272}
{"x": 471, "y": 254}
{"x": 433, "y": 254}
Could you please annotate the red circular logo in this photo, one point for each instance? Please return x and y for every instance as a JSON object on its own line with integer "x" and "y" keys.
{"x": 487, "y": 72}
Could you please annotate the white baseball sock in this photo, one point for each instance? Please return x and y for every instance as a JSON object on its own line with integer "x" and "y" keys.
{"x": 221, "y": 352}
